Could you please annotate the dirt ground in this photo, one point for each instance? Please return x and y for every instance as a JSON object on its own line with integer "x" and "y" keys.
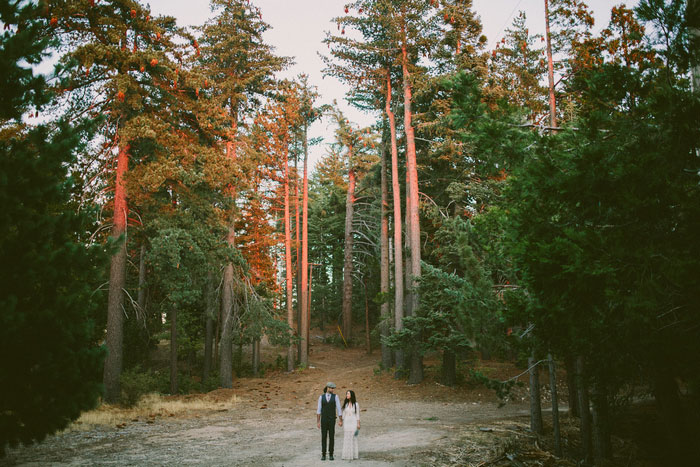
{"x": 273, "y": 422}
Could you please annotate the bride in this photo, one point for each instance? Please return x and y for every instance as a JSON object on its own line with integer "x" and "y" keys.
{"x": 351, "y": 426}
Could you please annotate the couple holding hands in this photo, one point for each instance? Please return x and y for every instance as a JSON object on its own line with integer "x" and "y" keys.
{"x": 349, "y": 415}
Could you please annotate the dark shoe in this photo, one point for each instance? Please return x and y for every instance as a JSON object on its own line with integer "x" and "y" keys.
{"x": 323, "y": 457}
{"x": 332, "y": 457}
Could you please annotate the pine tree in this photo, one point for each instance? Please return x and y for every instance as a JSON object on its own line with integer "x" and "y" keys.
{"x": 240, "y": 66}
{"x": 48, "y": 267}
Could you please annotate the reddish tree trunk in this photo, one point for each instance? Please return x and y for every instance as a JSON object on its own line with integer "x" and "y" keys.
{"x": 305, "y": 317}
{"x": 416, "y": 375}
{"x": 227, "y": 294}
{"x": 117, "y": 281}
{"x": 297, "y": 246}
{"x": 347, "y": 266}
{"x": 398, "y": 239}
{"x": 384, "y": 258}
{"x": 288, "y": 259}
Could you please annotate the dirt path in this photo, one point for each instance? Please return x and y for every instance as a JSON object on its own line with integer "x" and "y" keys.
{"x": 274, "y": 423}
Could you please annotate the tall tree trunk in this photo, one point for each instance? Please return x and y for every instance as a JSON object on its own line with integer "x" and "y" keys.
{"x": 384, "y": 256}
{"x": 297, "y": 247}
{"x": 550, "y": 69}
{"x": 305, "y": 304}
{"x": 535, "y": 403}
{"x": 288, "y": 260}
{"x": 416, "y": 375}
{"x": 117, "y": 281}
{"x": 256, "y": 356}
{"x": 227, "y": 296}
{"x": 174, "y": 389}
{"x": 368, "y": 342}
{"x": 584, "y": 411}
{"x": 408, "y": 303}
{"x": 555, "y": 406}
{"x": 209, "y": 314}
{"x": 602, "y": 448}
{"x": 570, "y": 363}
{"x": 449, "y": 368}
{"x": 347, "y": 265}
{"x": 398, "y": 236}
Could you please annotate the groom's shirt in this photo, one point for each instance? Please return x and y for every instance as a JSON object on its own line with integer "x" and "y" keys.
{"x": 327, "y": 396}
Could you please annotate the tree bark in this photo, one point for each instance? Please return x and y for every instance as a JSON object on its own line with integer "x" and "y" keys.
{"x": 384, "y": 258}
{"x": 297, "y": 243}
{"x": 584, "y": 411}
{"x": 416, "y": 375}
{"x": 555, "y": 406}
{"x": 449, "y": 368}
{"x": 174, "y": 389}
{"x": 288, "y": 260}
{"x": 535, "y": 403}
{"x": 117, "y": 281}
{"x": 550, "y": 69}
{"x": 398, "y": 236}
{"x": 347, "y": 266}
{"x": 209, "y": 314}
{"x": 226, "y": 341}
{"x": 227, "y": 296}
{"x": 256, "y": 356}
{"x": 305, "y": 305}
{"x": 570, "y": 364}
{"x": 368, "y": 342}
{"x": 602, "y": 448}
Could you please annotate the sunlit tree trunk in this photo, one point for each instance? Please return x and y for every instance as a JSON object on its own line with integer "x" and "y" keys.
{"x": 398, "y": 239}
{"x": 347, "y": 265}
{"x": 288, "y": 258}
{"x": 297, "y": 248}
{"x": 384, "y": 256}
{"x": 305, "y": 315}
{"x": 117, "y": 281}
{"x": 227, "y": 293}
{"x": 416, "y": 375}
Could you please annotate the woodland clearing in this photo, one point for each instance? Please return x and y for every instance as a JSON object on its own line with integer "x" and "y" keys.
{"x": 271, "y": 421}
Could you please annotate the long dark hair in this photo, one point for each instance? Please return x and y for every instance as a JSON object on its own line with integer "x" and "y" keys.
{"x": 353, "y": 401}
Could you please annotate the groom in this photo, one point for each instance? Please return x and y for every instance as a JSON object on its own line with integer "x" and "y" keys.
{"x": 328, "y": 407}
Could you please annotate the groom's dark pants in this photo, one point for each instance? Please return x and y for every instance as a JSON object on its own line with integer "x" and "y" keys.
{"x": 327, "y": 429}
{"x": 328, "y": 412}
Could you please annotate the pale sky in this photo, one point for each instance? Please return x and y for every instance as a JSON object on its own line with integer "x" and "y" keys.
{"x": 299, "y": 26}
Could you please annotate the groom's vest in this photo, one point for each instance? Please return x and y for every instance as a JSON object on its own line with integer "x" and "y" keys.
{"x": 328, "y": 408}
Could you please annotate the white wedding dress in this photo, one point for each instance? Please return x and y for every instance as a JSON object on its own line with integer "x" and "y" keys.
{"x": 351, "y": 415}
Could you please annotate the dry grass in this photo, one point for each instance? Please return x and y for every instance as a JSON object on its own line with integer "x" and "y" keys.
{"x": 152, "y": 406}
